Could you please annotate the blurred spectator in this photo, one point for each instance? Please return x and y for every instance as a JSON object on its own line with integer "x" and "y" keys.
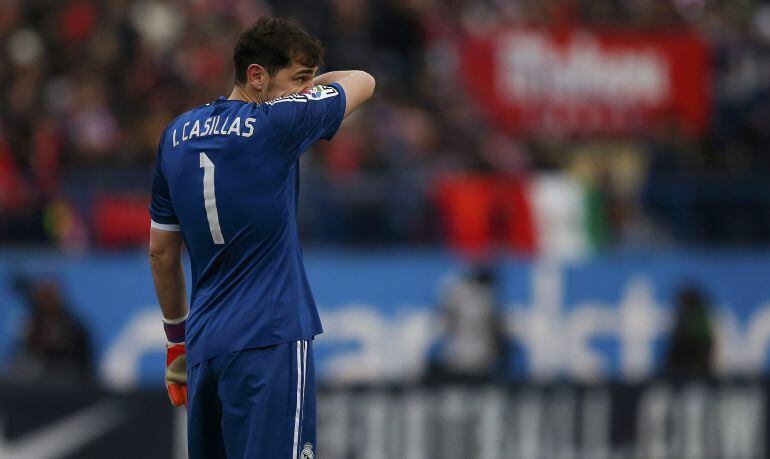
{"x": 90, "y": 86}
{"x": 473, "y": 346}
{"x": 691, "y": 346}
{"x": 56, "y": 347}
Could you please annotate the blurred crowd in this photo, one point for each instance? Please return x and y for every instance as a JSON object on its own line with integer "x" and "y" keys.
{"x": 54, "y": 344}
{"x": 471, "y": 344}
{"x": 89, "y": 85}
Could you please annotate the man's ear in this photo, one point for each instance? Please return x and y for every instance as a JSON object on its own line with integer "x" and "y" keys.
{"x": 257, "y": 77}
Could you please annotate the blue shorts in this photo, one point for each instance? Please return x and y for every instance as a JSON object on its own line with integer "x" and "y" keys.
{"x": 254, "y": 403}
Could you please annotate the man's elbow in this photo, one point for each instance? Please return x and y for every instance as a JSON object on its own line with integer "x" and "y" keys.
{"x": 156, "y": 257}
{"x": 162, "y": 257}
{"x": 369, "y": 83}
{"x": 165, "y": 248}
{"x": 359, "y": 87}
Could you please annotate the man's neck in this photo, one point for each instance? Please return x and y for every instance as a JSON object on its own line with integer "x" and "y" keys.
{"x": 242, "y": 93}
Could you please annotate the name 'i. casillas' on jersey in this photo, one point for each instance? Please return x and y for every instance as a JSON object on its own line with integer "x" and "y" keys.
{"x": 211, "y": 125}
{"x": 214, "y": 125}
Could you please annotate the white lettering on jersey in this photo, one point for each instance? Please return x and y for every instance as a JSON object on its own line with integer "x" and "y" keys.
{"x": 216, "y": 125}
{"x": 235, "y": 127}
{"x": 224, "y": 126}
{"x": 211, "y": 126}
{"x": 249, "y": 124}
{"x": 207, "y": 126}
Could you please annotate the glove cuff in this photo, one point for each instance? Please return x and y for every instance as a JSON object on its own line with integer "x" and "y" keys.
{"x": 175, "y": 329}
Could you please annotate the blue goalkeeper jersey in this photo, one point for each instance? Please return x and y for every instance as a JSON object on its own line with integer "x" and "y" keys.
{"x": 226, "y": 176}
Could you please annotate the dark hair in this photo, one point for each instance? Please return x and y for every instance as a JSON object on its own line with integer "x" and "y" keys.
{"x": 274, "y": 43}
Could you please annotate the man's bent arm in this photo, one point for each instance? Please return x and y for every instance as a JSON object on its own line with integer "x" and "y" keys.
{"x": 331, "y": 77}
{"x": 357, "y": 84}
{"x": 167, "y": 272}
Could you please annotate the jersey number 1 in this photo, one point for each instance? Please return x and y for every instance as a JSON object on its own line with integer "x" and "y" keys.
{"x": 210, "y": 199}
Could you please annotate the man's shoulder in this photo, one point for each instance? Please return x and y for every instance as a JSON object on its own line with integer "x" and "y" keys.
{"x": 178, "y": 118}
{"x": 318, "y": 92}
{"x": 191, "y": 113}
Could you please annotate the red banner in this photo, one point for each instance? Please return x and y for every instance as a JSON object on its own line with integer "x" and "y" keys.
{"x": 588, "y": 82}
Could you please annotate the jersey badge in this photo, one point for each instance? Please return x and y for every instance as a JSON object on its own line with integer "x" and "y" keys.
{"x": 307, "y": 451}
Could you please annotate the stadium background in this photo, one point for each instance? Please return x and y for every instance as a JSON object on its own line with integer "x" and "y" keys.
{"x": 545, "y": 237}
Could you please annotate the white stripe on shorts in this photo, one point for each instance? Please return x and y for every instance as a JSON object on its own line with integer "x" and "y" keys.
{"x": 298, "y": 411}
{"x": 304, "y": 378}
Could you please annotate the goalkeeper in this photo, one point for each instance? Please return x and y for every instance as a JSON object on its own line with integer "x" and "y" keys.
{"x": 226, "y": 184}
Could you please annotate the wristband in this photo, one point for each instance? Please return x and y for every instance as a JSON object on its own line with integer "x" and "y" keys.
{"x": 175, "y": 329}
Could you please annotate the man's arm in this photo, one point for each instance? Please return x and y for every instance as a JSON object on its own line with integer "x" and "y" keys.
{"x": 167, "y": 273}
{"x": 357, "y": 84}
{"x": 168, "y": 276}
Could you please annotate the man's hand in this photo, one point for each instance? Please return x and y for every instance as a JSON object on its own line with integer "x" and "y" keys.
{"x": 176, "y": 374}
{"x": 176, "y": 361}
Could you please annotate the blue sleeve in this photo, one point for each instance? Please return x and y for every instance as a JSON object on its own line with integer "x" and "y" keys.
{"x": 305, "y": 118}
{"x": 162, "y": 215}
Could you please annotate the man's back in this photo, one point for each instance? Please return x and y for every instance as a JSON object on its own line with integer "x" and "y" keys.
{"x": 226, "y": 175}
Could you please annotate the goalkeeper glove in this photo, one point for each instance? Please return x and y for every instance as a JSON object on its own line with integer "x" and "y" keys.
{"x": 176, "y": 361}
